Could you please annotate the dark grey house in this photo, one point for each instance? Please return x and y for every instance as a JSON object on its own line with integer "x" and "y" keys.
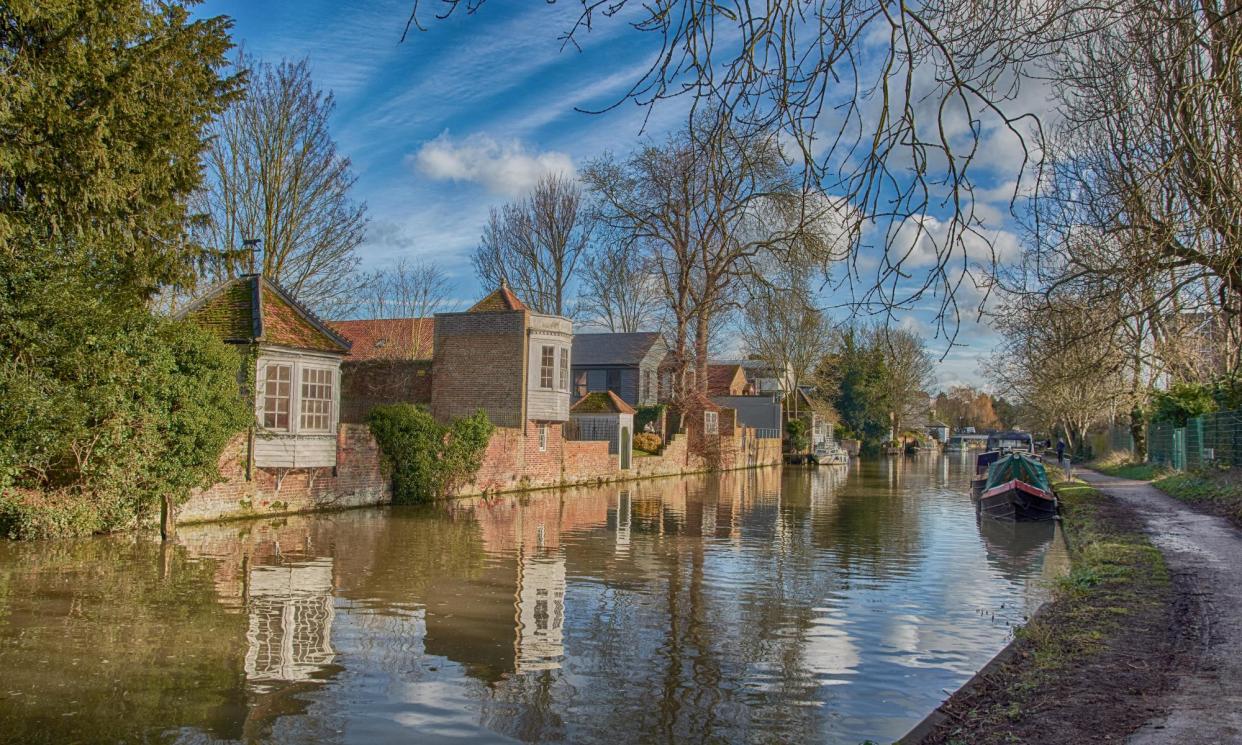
{"x": 625, "y": 364}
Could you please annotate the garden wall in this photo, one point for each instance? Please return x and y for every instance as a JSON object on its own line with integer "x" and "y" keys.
{"x": 357, "y": 480}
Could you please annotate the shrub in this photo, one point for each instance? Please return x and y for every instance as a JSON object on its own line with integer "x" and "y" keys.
{"x": 796, "y": 435}
{"x": 113, "y": 413}
{"x": 648, "y": 442}
{"x": 1181, "y": 402}
{"x": 428, "y": 460}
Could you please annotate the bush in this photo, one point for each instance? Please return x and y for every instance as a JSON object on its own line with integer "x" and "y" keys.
{"x": 1181, "y": 402}
{"x": 109, "y": 415}
{"x": 796, "y": 435}
{"x": 648, "y": 442}
{"x": 428, "y": 460}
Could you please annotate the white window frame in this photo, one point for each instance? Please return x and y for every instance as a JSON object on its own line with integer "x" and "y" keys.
{"x": 547, "y": 351}
{"x": 711, "y": 423}
{"x": 297, "y": 364}
{"x": 564, "y": 371}
{"x": 302, "y": 400}
{"x": 263, "y": 398}
{"x": 543, "y": 437}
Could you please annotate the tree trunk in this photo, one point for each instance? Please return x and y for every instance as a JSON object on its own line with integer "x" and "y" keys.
{"x": 168, "y": 518}
{"x": 701, "y": 330}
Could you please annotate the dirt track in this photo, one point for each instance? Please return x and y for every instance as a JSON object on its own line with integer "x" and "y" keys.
{"x": 1204, "y": 555}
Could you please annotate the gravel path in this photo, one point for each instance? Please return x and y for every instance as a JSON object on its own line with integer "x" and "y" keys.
{"x": 1204, "y": 555}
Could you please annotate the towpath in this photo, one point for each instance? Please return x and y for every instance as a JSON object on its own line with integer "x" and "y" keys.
{"x": 1204, "y": 555}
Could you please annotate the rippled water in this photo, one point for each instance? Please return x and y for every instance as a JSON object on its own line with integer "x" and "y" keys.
{"x": 833, "y": 606}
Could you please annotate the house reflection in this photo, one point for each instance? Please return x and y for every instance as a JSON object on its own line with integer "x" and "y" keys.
{"x": 290, "y": 611}
{"x": 540, "y": 613}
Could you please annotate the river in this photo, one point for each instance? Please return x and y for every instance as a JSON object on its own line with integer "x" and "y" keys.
{"x": 834, "y": 605}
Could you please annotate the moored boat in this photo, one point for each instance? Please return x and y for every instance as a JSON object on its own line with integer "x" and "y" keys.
{"x": 1017, "y": 489}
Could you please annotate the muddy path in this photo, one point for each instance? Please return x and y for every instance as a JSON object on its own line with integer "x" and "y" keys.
{"x": 1204, "y": 556}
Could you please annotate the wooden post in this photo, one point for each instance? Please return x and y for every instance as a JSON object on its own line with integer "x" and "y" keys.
{"x": 168, "y": 519}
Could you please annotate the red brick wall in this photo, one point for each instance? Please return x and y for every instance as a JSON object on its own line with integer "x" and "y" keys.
{"x": 358, "y": 481}
{"x": 366, "y": 384}
{"x": 590, "y": 461}
{"x": 480, "y": 364}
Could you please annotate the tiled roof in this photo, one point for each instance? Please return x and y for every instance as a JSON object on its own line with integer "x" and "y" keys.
{"x": 501, "y": 299}
{"x": 388, "y": 338}
{"x": 252, "y": 308}
{"x": 612, "y": 349}
{"x": 720, "y": 378}
{"x": 601, "y": 402}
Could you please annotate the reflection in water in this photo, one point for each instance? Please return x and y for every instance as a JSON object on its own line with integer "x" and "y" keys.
{"x": 289, "y": 608}
{"x": 833, "y": 605}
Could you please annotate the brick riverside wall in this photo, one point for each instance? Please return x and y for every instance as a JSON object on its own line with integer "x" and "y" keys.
{"x": 359, "y": 481}
{"x": 479, "y": 364}
{"x": 366, "y": 384}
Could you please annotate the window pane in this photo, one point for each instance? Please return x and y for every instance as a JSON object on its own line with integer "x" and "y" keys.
{"x": 316, "y": 411}
{"x": 546, "y": 363}
{"x": 275, "y": 404}
{"x": 564, "y": 369}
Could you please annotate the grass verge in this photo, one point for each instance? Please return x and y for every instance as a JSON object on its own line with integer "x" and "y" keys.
{"x": 1083, "y": 669}
{"x": 1214, "y": 491}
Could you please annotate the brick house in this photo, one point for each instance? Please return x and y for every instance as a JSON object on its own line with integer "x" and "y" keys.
{"x": 513, "y": 364}
{"x": 626, "y": 364}
{"x": 298, "y": 455}
{"x": 297, "y": 368}
{"x": 728, "y": 380}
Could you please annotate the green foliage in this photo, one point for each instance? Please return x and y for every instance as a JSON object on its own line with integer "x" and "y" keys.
{"x": 428, "y": 460}
{"x": 647, "y": 442}
{"x": 796, "y": 435}
{"x": 103, "y": 408}
{"x": 105, "y": 103}
{"x": 1181, "y": 402}
{"x": 860, "y": 399}
{"x": 119, "y": 411}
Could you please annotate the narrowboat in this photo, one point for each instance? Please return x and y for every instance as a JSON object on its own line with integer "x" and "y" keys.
{"x": 1017, "y": 489}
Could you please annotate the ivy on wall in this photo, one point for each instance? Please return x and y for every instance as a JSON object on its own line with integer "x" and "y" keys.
{"x": 428, "y": 460}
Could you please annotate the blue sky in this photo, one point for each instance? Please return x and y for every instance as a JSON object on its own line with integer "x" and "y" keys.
{"x": 466, "y": 115}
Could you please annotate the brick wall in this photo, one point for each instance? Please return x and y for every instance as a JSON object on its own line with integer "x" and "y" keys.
{"x": 479, "y": 364}
{"x": 358, "y": 481}
{"x": 366, "y": 384}
{"x": 590, "y": 461}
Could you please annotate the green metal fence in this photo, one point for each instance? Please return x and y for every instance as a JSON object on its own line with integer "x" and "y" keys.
{"x": 1208, "y": 440}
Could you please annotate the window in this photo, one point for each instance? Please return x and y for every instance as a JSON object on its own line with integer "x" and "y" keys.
{"x": 546, "y": 364}
{"x": 276, "y": 399}
{"x": 543, "y": 438}
{"x": 316, "y": 404}
{"x": 614, "y": 381}
{"x": 564, "y": 369}
{"x": 711, "y": 423}
{"x": 580, "y": 383}
{"x": 646, "y": 395}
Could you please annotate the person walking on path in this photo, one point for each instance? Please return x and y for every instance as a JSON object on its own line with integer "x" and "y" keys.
{"x": 1060, "y": 452}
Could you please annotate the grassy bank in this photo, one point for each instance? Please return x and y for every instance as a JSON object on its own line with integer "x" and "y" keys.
{"x": 1081, "y": 669}
{"x": 1213, "y": 490}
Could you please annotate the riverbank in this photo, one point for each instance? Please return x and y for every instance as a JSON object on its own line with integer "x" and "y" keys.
{"x": 1215, "y": 491}
{"x": 1089, "y": 667}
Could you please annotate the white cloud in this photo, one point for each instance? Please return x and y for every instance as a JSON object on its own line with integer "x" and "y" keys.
{"x": 505, "y": 168}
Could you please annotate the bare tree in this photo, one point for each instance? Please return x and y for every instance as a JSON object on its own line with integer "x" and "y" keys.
{"x": 890, "y": 104}
{"x": 709, "y": 217}
{"x": 535, "y": 244}
{"x": 273, "y": 174}
{"x": 782, "y": 327}
{"x": 409, "y": 290}
{"x": 618, "y": 292}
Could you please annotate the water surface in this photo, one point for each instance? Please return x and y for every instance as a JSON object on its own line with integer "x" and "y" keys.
{"x": 834, "y": 606}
